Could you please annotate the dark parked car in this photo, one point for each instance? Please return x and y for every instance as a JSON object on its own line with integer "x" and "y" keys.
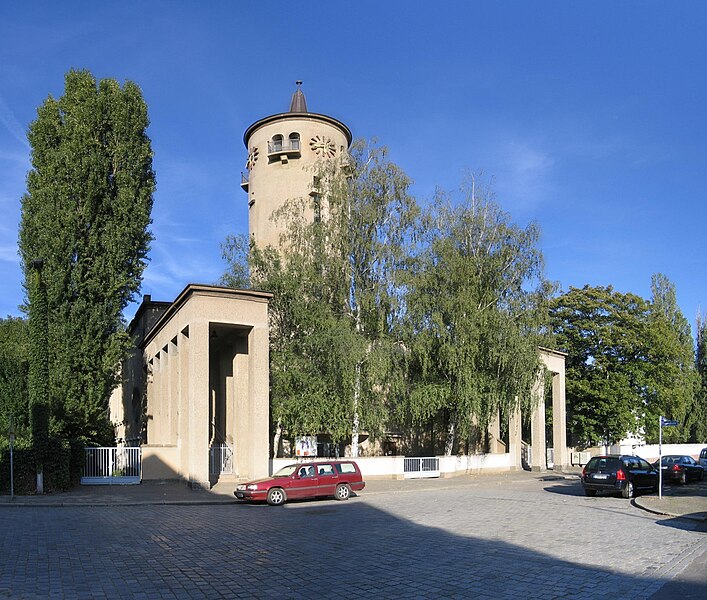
{"x": 619, "y": 474}
{"x": 680, "y": 468}
{"x": 305, "y": 480}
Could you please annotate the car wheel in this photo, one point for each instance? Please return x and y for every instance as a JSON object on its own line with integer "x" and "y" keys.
{"x": 276, "y": 496}
{"x": 590, "y": 493}
{"x": 628, "y": 490}
{"x": 343, "y": 491}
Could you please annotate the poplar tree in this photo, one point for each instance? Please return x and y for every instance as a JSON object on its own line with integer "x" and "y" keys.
{"x": 672, "y": 377}
{"x": 697, "y": 418}
{"x": 86, "y": 215}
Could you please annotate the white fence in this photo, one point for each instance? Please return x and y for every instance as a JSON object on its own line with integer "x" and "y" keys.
{"x": 220, "y": 459}
{"x": 114, "y": 465}
{"x": 417, "y": 468}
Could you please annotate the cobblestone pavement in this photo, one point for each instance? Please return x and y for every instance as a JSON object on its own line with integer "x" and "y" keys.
{"x": 467, "y": 539}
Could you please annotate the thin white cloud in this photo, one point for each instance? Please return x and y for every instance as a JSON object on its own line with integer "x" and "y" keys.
{"x": 8, "y": 119}
{"x": 523, "y": 173}
{"x": 9, "y": 254}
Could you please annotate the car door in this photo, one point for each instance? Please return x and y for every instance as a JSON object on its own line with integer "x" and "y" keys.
{"x": 633, "y": 471}
{"x": 328, "y": 479}
{"x": 649, "y": 475}
{"x": 690, "y": 467}
{"x": 305, "y": 483}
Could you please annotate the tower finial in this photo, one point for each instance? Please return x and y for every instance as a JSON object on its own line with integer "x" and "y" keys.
{"x": 298, "y": 104}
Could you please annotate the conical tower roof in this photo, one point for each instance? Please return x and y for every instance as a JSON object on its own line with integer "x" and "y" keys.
{"x": 298, "y": 110}
{"x": 299, "y": 103}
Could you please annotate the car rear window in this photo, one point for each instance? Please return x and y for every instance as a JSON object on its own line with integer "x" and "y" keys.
{"x": 345, "y": 468}
{"x": 602, "y": 462}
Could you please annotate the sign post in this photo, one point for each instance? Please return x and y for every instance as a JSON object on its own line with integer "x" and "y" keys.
{"x": 662, "y": 422}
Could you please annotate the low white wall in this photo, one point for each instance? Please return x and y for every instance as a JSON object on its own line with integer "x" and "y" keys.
{"x": 474, "y": 463}
{"x": 649, "y": 451}
{"x": 391, "y": 467}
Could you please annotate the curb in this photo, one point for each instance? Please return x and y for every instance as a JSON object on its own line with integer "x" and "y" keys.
{"x": 667, "y": 514}
{"x": 94, "y": 504}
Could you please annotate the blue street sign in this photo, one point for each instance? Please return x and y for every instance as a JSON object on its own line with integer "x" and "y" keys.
{"x": 668, "y": 423}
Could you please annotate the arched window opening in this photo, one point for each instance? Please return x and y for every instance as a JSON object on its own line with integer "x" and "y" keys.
{"x": 276, "y": 144}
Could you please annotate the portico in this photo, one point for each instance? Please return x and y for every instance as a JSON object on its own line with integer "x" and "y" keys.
{"x": 203, "y": 380}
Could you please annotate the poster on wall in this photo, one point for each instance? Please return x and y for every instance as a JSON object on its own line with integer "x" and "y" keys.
{"x": 306, "y": 445}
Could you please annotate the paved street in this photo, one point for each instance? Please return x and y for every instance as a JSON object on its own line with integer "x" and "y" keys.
{"x": 461, "y": 538}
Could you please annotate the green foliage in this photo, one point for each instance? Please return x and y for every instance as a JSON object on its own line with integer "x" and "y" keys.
{"x": 336, "y": 297}
{"x": 672, "y": 378}
{"x": 476, "y": 312}
{"x": 629, "y": 361}
{"x": 604, "y": 332}
{"x": 38, "y": 366}
{"x": 14, "y": 372}
{"x": 383, "y": 315}
{"x": 696, "y": 421}
{"x": 86, "y": 215}
{"x": 57, "y": 466}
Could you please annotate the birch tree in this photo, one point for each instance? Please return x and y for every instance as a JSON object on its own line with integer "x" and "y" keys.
{"x": 477, "y": 309}
{"x": 337, "y": 299}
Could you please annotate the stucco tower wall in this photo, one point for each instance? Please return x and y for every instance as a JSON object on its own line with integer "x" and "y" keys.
{"x": 277, "y": 178}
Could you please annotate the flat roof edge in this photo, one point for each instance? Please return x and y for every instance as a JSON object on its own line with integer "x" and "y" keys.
{"x": 202, "y": 289}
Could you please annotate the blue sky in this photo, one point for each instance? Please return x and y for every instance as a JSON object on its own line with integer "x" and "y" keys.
{"x": 589, "y": 117}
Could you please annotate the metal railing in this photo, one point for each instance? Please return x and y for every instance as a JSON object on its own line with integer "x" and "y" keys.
{"x": 284, "y": 146}
{"x": 111, "y": 465}
{"x": 220, "y": 459}
{"x": 420, "y": 467}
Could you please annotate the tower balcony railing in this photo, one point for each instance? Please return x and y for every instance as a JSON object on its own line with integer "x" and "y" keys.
{"x": 244, "y": 181}
{"x": 285, "y": 147}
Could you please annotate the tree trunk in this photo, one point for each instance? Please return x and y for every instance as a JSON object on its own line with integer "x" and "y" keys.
{"x": 276, "y": 439}
{"x": 451, "y": 434}
{"x": 357, "y": 395}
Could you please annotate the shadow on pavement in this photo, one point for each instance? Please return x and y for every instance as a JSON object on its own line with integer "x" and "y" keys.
{"x": 322, "y": 549}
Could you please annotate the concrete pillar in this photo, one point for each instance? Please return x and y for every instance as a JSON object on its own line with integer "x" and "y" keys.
{"x": 537, "y": 426}
{"x": 174, "y": 389}
{"x": 515, "y": 438}
{"x": 559, "y": 421}
{"x": 494, "y": 432}
{"x": 241, "y": 417}
{"x": 153, "y": 400}
{"x": 259, "y": 391}
{"x": 198, "y": 406}
{"x": 183, "y": 425}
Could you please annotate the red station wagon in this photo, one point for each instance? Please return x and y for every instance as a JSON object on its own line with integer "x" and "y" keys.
{"x": 305, "y": 480}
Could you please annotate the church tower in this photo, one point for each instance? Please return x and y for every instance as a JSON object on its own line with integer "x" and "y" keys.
{"x": 283, "y": 151}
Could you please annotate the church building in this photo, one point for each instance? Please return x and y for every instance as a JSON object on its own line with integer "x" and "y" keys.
{"x": 195, "y": 392}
